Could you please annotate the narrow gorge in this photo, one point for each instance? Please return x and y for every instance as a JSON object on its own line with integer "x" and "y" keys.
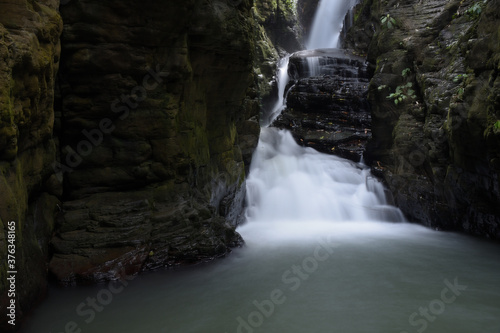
{"x": 339, "y": 159}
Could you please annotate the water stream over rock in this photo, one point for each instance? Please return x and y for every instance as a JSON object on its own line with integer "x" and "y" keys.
{"x": 324, "y": 252}
{"x": 328, "y": 23}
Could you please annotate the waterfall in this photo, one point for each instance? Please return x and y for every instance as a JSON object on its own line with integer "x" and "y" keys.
{"x": 282, "y": 80}
{"x": 327, "y": 23}
{"x": 314, "y": 67}
{"x": 289, "y": 183}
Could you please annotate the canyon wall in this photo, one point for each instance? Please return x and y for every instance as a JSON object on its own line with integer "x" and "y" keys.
{"x": 124, "y": 135}
{"x": 29, "y": 60}
{"x": 152, "y": 105}
{"x": 435, "y": 107}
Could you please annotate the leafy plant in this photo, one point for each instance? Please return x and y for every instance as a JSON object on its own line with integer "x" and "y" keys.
{"x": 290, "y": 5}
{"x": 388, "y": 21}
{"x": 496, "y": 125}
{"x": 461, "y": 80}
{"x": 460, "y": 77}
{"x": 474, "y": 11}
{"x": 402, "y": 92}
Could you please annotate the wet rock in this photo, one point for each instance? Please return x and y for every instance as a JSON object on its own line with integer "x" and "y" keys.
{"x": 279, "y": 19}
{"x": 326, "y": 106}
{"x": 173, "y": 87}
{"x": 29, "y": 60}
{"x": 435, "y": 150}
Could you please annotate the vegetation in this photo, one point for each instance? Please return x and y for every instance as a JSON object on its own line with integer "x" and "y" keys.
{"x": 388, "y": 21}
{"x": 460, "y": 77}
{"x": 405, "y": 72}
{"x": 496, "y": 126}
{"x": 403, "y": 92}
{"x": 476, "y": 9}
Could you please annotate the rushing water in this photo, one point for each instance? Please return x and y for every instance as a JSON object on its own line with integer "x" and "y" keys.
{"x": 320, "y": 257}
{"x": 324, "y": 253}
{"x": 327, "y": 23}
{"x": 295, "y": 184}
{"x": 282, "y": 79}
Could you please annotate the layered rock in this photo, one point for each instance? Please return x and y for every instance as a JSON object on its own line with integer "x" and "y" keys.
{"x": 29, "y": 59}
{"x": 438, "y": 148}
{"x": 306, "y": 10}
{"x": 280, "y": 20}
{"x": 140, "y": 162}
{"x": 326, "y": 106}
{"x": 153, "y": 103}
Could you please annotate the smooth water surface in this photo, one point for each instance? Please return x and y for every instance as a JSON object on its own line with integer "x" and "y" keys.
{"x": 318, "y": 258}
{"x": 324, "y": 253}
{"x": 352, "y": 277}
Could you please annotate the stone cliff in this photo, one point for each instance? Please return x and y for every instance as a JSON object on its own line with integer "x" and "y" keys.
{"x": 435, "y": 108}
{"x": 135, "y": 158}
{"x": 124, "y": 142}
{"x": 29, "y": 59}
{"x": 151, "y": 110}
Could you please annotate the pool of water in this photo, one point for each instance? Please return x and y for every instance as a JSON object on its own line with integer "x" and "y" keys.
{"x": 319, "y": 256}
{"x": 352, "y": 277}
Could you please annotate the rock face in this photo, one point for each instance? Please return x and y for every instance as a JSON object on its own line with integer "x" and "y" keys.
{"x": 152, "y": 107}
{"x": 306, "y": 9}
{"x": 140, "y": 161}
{"x": 438, "y": 148}
{"x": 327, "y": 107}
{"x": 29, "y": 59}
{"x": 280, "y": 20}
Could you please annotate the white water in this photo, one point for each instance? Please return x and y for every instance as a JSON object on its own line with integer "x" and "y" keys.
{"x": 327, "y": 23}
{"x": 313, "y": 64}
{"x": 282, "y": 80}
{"x": 319, "y": 257}
{"x": 292, "y": 183}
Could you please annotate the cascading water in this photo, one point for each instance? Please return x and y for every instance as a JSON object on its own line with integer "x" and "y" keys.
{"x": 328, "y": 22}
{"x": 282, "y": 80}
{"x": 318, "y": 258}
{"x": 314, "y": 67}
{"x": 289, "y": 183}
